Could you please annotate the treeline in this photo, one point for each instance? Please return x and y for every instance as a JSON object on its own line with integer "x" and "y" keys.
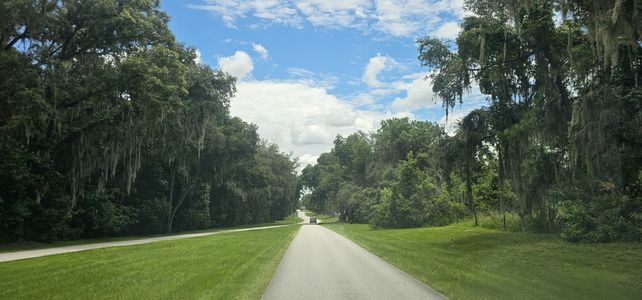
{"x": 109, "y": 127}
{"x": 557, "y": 149}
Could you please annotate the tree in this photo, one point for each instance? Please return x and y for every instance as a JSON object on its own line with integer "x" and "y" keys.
{"x": 109, "y": 127}
{"x": 553, "y": 116}
{"x": 471, "y": 134}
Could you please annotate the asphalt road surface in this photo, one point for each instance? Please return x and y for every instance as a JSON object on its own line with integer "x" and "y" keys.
{"x": 306, "y": 219}
{"x": 58, "y": 250}
{"x": 321, "y": 264}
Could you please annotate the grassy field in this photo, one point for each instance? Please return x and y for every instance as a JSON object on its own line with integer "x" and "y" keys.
{"x": 36, "y": 245}
{"x": 235, "y": 265}
{"x": 473, "y": 263}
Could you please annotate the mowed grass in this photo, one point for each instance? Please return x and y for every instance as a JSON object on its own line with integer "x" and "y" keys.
{"x": 236, "y": 265}
{"x": 22, "y": 246}
{"x": 464, "y": 262}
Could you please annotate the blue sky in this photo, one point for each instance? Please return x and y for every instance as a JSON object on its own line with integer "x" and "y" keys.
{"x": 311, "y": 69}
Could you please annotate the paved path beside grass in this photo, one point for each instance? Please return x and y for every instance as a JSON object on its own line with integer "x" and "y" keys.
{"x": 9, "y": 256}
{"x": 321, "y": 264}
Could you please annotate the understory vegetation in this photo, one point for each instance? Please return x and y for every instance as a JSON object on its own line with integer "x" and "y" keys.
{"x": 557, "y": 148}
{"x": 109, "y": 127}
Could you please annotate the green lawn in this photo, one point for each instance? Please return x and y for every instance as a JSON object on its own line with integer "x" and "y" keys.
{"x": 235, "y": 265}
{"x": 473, "y": 263}
{"x": 36, "y": 245}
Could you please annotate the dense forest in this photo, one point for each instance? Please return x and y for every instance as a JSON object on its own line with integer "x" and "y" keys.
{"x": 558, "y": 148}
{"x": 108, "y": 126}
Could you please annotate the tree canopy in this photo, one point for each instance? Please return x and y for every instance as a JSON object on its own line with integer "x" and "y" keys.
{"x": 559, "y": 143}
{"x": 109, "y": 127}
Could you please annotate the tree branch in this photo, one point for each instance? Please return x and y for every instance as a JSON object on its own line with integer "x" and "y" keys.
{"x": 21, "y": 36}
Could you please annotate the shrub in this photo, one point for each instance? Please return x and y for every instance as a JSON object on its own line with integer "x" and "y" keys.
{"x": 380, "y": 213}
{"x": 604, "y": 218}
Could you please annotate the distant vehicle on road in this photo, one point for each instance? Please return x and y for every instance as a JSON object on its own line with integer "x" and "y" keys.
{"x": 313, "y": 220}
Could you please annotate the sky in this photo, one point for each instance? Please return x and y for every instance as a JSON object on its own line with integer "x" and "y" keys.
{"x": 309, "y": 70}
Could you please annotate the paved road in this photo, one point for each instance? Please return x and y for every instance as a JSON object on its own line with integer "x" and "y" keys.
{"x": 58, "y": 250}
{"x": 306, "y": 219}
{"x": 321, "y": 264}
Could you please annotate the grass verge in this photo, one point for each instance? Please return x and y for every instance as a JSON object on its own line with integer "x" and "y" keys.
{"x": 236, "y": 265}
{"x": 29, "y": 245}
{"x": 464, "y": 262}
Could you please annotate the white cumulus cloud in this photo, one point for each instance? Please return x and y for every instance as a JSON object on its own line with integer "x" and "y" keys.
{"x": 418, "y": 93}
{"x": 302, "y": 117}
{"x": 363, "y": 99}
{"x": 238, "y": 65}
{"x": 307, "y": 159}
{"x": 272, "y": 11}
{"x": 391, "y": 17}
{"x": 335, "y": 13}
{"x": 374, "y": 67}
{"x": 258, "y": 48}
{"x": 448, "y": 30}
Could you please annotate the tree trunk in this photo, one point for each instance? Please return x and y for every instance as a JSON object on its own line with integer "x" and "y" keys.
{"x": 500, "y": 161}
{"x": 169, "y": 222}
{"x": 520, "y": 192}
{"x": 469, "y": 191}
{"x": 171, "y": 198}
{"x": 175, "y": 209}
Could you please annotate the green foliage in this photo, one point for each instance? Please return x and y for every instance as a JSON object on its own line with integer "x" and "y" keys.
{"x": 564, "y": 112}
{"x": 605, "y": 218}
{"x": 101, "y": 214}
{"x": 109, "y": 127}
{"x": 411, "y": 195}
{"x": 196, "y": 214}
{"x": 380, "y": 216}
{"x": 495, "y": 220}
{"x": 360, "y": 206}
{"x": 380, "y": 179}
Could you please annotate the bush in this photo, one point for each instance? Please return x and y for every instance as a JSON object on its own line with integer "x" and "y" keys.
{"x": 359, "y": 206}
{"x": 380, "y": 213}
{"x": 103, "y": 214}
{"x": 196, "y": 213}
{"x": 604, "y": 218}
{"x": 49, "y": 222}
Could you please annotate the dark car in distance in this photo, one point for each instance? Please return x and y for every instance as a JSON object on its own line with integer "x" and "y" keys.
{"x": 313, "y": 220}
